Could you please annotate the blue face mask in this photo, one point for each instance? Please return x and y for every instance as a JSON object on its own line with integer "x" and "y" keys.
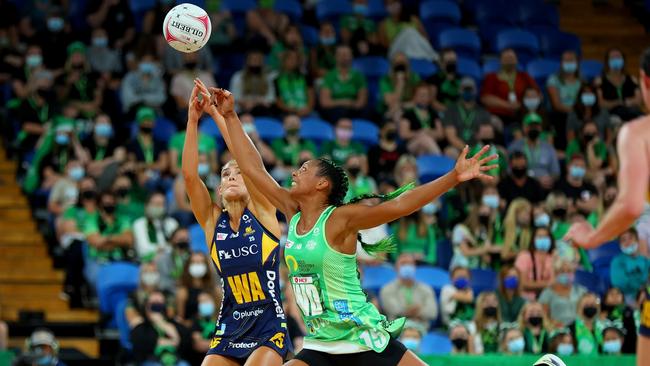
{"x": 407, "y": 272}
{"x": 55, "y": 24}
{"x": 33, "y": 61}
{"x": 629, "y": 250}
{"x": 531, "y": 104}
{"x": 147, "y": 67}
{"x": 461, "y": 283}
{"x": 511, "y": 282}
{"x": 204, "y": 169}
{"x": 542, "y": 220}
{"x": 543, "y": 243}
{"x": 206, "y": 309}
{"x": 430, "y": 208}
{"x": 564, "y": 279}
{"x": 100, "y": 42}
{"x": 569, "y": 67}
{"x": 45, "y": 360}
{"x": 612, "y": 346}
{"x": 491, "y": 201}
{"x": 361, "y": 9}
{"x": 588, "y": 99}
{"x": 468, "y": 95}
{"x": 565, "y": 349}
{"x": 616, "y": 63}
{"x": 327, "y": 41}
{"x": 76, "y": 173}
{"x": 411, "y": 343}
{"x": 577, "y": 172}
{"x": 516, "y": 345}
{"x": 103, "y": 130}
{"x": 62, "y": 139}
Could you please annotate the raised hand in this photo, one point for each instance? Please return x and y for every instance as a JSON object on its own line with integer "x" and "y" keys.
{"x": 474, "y": 167}
{"x": 224, "y": 100}
{"x": 208, "y": 107}
{"x": 579, "y": 234}
{"x": 196, "y": 104}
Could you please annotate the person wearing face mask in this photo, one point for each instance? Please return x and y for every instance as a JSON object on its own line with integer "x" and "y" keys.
{"x": 79, "y": 85}
{"x": 287, "y": 149}
{"x": 563, "y": 88}
{"x": 486, "y": 135}
{"x": 518, "y": 184}
{"x": 589, "y": 145}
{"x": 182, "y": 83}
{"x": 613, "y": 338}
{"x": 561, "y": 342}
{"x": 150, "y": 280}
{"x": 629, "y": 269}
{"x": 41, "y": 349}
{"x": 383, "y": 157}
{"x": 116, "y": 16}
{"x": 472, "y": 240}
{"x": 293, "y": 86}
{"x": 359, "y": 182}
{"x": 532, "y": 101}
{"x": 543, "y": 163}
{"x": 462, "y": 341}
{"x": 203, "y": 324}
{"x": 322, "y": 56}
{"x": 581, "y": 193}
{"x": 618, "y": 92}
{"x": 561, "y": 297}
{"x": 151, "y": 232}
{"x": 206, "y": 145}
{"x": 411, "y": 336}
{"x": 463, "y": 117}
{"x": 253, "y": 86}
{"x": 342, "y": 147}
{"x": 512, "y": 342}
{"x": 587, "y": 108}
{"x": 359, "y": 31}
{"x": 197, "y": 277}
{"x": 398, "y": 20}
{"x": 344, "y": 91}
{"x": 419, "y": 127}
{"x": 408, "y": 297}
{"x": 33, "y": 62}
{"x": 101, "y": 57}
{"x": 614, "y": 309}
{"x": 487, "y": 319}
{"x": 446, "y": 82}
{"x": 35, "y": 110}
{"x": 143, "y": 86}
{"x": 417, "y": 234}
{"x": 457, "y": 298}
{"x": 502, "y": 91}
{"x": 54, "y": 39}
{"x": 587, "y": 328}
{"x": 291, "y": 39}
{"x": 171, "y": 263}
{"x": 102, "y": 147}
{"x": 535, "y": 328}
{"x": 536, "y": 263}
{"x": 509, "y": 294}
{"x": 65, "y": 193}
{"x": 108, "y": 235}
{"x": 556, "y": 204}
{"x": 397, "y": 87}
{"x": 149, "y": 153}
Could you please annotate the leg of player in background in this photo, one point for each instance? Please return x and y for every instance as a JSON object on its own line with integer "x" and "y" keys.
{"x": 264, "y": 356}
{"x": 410, "y": 359}
{"x": 216, "y": 360}
{"x": 643, "y": 351}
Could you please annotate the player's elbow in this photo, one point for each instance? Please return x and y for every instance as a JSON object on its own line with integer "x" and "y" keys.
{"x": 633, "y": 209}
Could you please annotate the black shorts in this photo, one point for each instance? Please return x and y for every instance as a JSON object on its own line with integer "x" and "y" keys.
{"x": 391, "y": 356}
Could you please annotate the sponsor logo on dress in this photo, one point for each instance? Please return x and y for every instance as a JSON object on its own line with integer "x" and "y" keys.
{"x": 316, "y": 231}
{"x": 272, "y": 277}
{"x": 222, "y": 236}
{"x": 222, "y": 224}
{"x": 249, "y": 231}
{"x": 244, "y": 345}
{"x": 235, "y": 235}
{"x": 215, "y": 342}
{"x": 302, "y": 280}
{"x": 238, "y": 315}
{"x": 311, "y": 245}
{"x": 246, "y": 288}
{"x": 244, "y": 251}
{"x": 289, "y": 244}
{"x": 246, "y": 218}
{"x": 278, "y": 339}
{"x": 221, "y": 330}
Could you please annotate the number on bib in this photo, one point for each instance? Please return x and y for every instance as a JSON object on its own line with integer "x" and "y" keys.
{"x": 307, "y": 296}
{"x": 374, "y": 339}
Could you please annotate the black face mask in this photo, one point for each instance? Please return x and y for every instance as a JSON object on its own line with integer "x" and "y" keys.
{"x": 391, "y": 135}
{"x": 157, "y": 307}
{"x": 559, "y": 212}
{"x": 490, "y": 311}
{"x": 78, "y": 67}
{"x": 399, "y": 68}
{"x": 484, "y": 219}
{"x": 487, "y": 141}
{"x": 450, "y": 68}
{"x": 190, "y": 65}
{"x": 88, "y": 195}
{"x": 588, "y": 137}
{"x": 589, "y": 311}
{"x": 109, "y": 209}
{"x": 533, "y": 134}
{"x": 146, "y": 129}
{"x": 255, "y": 69}
{"x": 607, "y": 308}
{"x": 535, "y": 321}
{"x": 182, "y": 245}
{"x": 122, "y": 192}
{"x": 519, "y": 172}
{"x": 44, "y": 93}
{"x": 354, "y": 171}
{"x": 459, "y": 343}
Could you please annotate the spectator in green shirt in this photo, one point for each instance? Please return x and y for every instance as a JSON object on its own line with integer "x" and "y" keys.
{"x": 342, "y": 146}
{"x": 360, "y": 32}
{"x": 108, "y": 235}
{"x": 398, "y": 86}
{"x": 344, "y": 91}
{"x": 416, "y": 234}
{"x": 130, "y": 197}
{"x": 447, "y": 82}
{"x": 292, "y": 40}
{"x": 591, "y": 146}
{"x": 420, "y": 127}
{"x": 287, "y": 149}
{"x": 321, "y": 57}
{"x": 486, "y": 136}
{"x": 207, "y": 145}
{"x": 293, "y": 88}
{"x": 556, "y": 204}
{"x": 359, "y": 181}
{"x": 462, "y": 118}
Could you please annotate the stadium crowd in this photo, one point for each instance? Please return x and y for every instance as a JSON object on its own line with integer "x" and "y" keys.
{"x": 95, "y": 108}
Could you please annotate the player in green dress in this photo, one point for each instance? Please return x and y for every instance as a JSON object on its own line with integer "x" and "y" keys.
{"x": 320, "y": 252}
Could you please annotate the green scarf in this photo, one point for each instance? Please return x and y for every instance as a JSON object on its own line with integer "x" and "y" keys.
{"x": 588, "y": 341}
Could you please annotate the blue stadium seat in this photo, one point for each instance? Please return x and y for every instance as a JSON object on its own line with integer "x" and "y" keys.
{"x": 590, "y": 69}
{"x": 532, "y": 13}
{"x": 238, "y": 6}
{"x": 208, "y": 127}
{"x": 483, "y": 280}
{"x": 433, "y": 276}
{"x": 495, "y": 12}
{"x": 291, "y": 8}
{"x": 423, "y": 68}
{"x": 332, "y": 9}
{"x": 607, "y": 250}
{"x": 469, "y": 67}
{"x": 269, "y": 128}
{"x": 164, "y": 129}
{"x": 439, "y": 15}
{"x": 444, "y": 253}
{"x": 372, "y": 66}
{"x": 376, "y": 277}
{"x": 488, "y": 33}
{"x": 465, "y": 42}
{"x": 309, "y": 35}
{"x": 591, "y": 281}
{"x": 115, "y": 281}
{"x": 197, "y": 239}
{"x": 431, "y": 167}
{"x": 553, "y": 45}
{"x": 316, "y": 129}
{"x": 229, "y": 63}
{"x": 435, "y": 343}
{"x": 123, "y": 325}
{"x": 139, "y": 8}
{"x": 541, "y": 69}
{"x": 365, "y": 132}
{"x": 199, "y": 3}
{"x": 376, "y": 10}
{"x": 523, "y": 42}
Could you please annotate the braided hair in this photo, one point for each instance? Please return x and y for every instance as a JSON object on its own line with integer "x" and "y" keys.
{"x": 338, "y": 191}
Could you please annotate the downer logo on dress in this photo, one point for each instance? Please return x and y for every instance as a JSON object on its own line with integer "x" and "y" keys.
{"x": 244, "y": 251}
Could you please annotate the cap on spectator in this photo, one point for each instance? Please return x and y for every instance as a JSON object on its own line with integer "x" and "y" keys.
{"x": 76, "y": 47}
{"x": 532, "y": 118}
{"x": 467, "y": 83}
{"x": 145, "y": 114}
{"x": 42, "y": 337}
{"x": 614, "y": 324}
{"x": 63, "y": 124}
{"x": 416, "y": 326}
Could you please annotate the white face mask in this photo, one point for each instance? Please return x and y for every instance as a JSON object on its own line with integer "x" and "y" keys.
{"x": 150, "y": 278}
{"x": 198, "y": 270}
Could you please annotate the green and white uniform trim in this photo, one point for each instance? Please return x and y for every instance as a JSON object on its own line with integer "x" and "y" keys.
{"x": 328, "y": 291}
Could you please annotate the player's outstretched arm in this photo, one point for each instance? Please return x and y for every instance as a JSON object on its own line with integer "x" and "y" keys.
{"x": 359, "y": 217}
{"x": 200, "y": 199}
{"x": 249, "y": 159}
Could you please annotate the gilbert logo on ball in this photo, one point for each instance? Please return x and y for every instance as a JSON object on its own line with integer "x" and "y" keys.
{"x": 187, "y": 28}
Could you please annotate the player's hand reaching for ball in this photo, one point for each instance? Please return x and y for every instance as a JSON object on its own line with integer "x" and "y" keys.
{"x": 474, "y": 167}
{"x": 197, "y": 103}
{"x": 580, "y": 235}
{"x": 224, "y": 100}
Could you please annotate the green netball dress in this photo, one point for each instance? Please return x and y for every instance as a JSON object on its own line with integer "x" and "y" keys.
{"x": 328, "y": 291}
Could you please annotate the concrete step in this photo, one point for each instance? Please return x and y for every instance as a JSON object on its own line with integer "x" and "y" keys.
{"x": 88, "y": 346}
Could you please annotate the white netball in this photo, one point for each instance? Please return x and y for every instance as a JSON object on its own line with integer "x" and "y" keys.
{"x": 187, "y": 28}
